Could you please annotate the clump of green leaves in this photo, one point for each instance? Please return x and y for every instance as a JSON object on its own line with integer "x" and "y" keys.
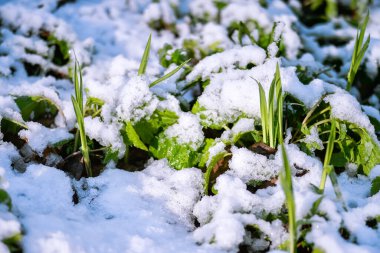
{"x": 77, "y": 101}
{"x": 61, "y": 53}
{"x": 37, "y": 108}
{"x": 287, "y": 186}
{"x": 331, "y": 7}
{"x": 271, "y": 111}
{"x": 359, "y": 50}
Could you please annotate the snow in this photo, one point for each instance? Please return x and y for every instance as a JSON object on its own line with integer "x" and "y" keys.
{"x": 236, "y": 56}
{"x": 187, "y": 131}
{"x": 112, "y": 206}
{"x": 223, "y": 216}
{"x": 39, "y": 137}
{"x": 313, "y": 140}
{"x": 107, "y": 134}
{"x": 249, "y": 166}
{"x": 135, "y": 100}
{"x": 346, "y": 107}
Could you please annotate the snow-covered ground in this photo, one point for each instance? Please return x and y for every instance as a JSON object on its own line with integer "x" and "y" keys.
{"x": 159, "y": 208}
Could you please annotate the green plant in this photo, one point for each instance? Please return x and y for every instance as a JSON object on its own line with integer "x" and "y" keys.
{"x": 287, "y": 186}
{"x": 271, "y": 112}
{"x": 331, "y": 7}
{"x": 359, "y": 51}
{"x": 145, "y": 57}
{"x": 77, "y": 101}
{"x": 327, "y": 168}
{"x": 144, "y": 63}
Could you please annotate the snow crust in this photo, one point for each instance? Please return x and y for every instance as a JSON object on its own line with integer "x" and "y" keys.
{"x": 39, "y": 137}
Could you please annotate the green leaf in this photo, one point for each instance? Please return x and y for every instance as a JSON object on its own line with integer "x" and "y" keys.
{"x": 357, "y": 146}
{"x": 5, "y": 199}
{"x": 61, "y": 50}
{"x": 178, "y": 155}
{"x": 160, "y": 120}
{"x": 36, "y": 107}
{"x": 318, "y": 250}
{"x": 13, "y": 243}
{"x": 11, "y": 126}
{"x": 111, "y": 155}
{"x": 133, "y": 137}
{"x": 375, "y": 186}
{"x": 368, "y": 151}
{"x": 163, "y": 78}
{"x": 145, "y": 58}
{"x": 205, "y": 152}
{"x": 287, "y": 186}
{"x": 359, "y": 51}
{"x": 263, "y": 113}
{"x": 338, "y": 159}
{"x": 330, "y": 144}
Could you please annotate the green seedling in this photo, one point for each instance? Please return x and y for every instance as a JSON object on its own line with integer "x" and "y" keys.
{"x": 287, "y": 186}
{"x": 79, "y": 113}
{"x": 163, "y": 78}
{"x": 327, "y": 168}
{"x": 271, "y": 112}
{"x": 144, "y": 63}
{"x": 359, "y": 51}
{"x": 145, "y": 58}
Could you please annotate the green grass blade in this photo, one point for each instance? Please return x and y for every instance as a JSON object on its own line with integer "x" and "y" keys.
{"x": 280, "y": 101}
{"x": 263, "y": 112}
{"x": 330, "y": 146}
{"x": 79, "y": 113}
{"x": 144, "y": 60}
{"x": 358, "y": 53}
{"x": 363, "y": 28}
{"x": 287, "y": 186}
{"x": 271, "y": 128}
{"x": 163, "y": 78}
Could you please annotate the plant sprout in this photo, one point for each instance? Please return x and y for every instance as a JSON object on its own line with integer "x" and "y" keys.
{"x": 79, "y": 113}
{"x": 271, "y": 113}
{"x": 359, "y": 51}
{"x": 144, "y": 64}
{"x": 145, "y": 57}
{"x": 327, "y": 168}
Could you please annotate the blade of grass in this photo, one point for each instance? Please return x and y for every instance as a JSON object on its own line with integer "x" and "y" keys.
{"x": 330, "y": 146}
{"x": 144, "y": 60}
{"x": 271, "y": 108}
{"x": 287, "y": 186}
{"x": 79, "y": 113}
{"x": 263, "y": 112}
{"x": 163, "y": 78}
{"x": 359, "y": 51}
{"x": 280, "y": 101}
